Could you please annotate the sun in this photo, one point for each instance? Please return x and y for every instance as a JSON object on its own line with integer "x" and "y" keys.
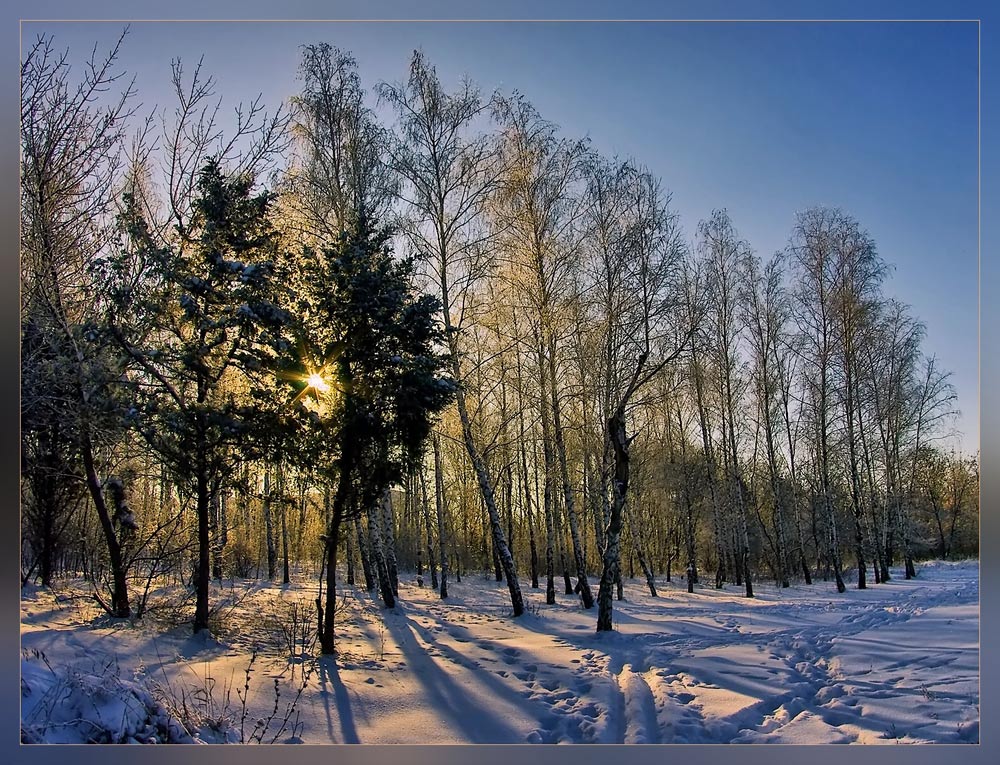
{"x": 317, "y": 383}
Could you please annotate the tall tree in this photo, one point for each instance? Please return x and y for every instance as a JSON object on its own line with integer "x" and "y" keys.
{"x": 360, "y": 349}
{"x": 812, "y": 256}
{"x": 211, "y": 297}
{"x": 764, "y": 307}
{"x": 654, "y": 328}
{"x": 536, "y": 210}
{"x": 448, "y": 176}
{"x": 339, "y": 169}
{"x": 72, "y": 162}
{"x": 726, "y": 256}
{"x": 858, "y": 276}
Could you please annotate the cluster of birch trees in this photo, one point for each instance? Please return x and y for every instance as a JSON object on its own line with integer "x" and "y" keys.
{"x": 550, "y": 382}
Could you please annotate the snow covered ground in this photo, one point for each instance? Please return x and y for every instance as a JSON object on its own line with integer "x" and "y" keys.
{"x": 897, "y": 663}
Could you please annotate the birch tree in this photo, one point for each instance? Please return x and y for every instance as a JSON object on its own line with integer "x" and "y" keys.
{"x": 725, "y": 256}
{"x": 813, "y": 261}
{"x": 448, "y": 176}
{"x": 536, "y": 209}
{"x": 655, "y": 331}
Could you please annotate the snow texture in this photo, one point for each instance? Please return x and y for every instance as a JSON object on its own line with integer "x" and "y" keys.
{"x": 896, "y": 663}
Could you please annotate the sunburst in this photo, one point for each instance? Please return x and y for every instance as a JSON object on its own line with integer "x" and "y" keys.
{"x": 317, "y": 382}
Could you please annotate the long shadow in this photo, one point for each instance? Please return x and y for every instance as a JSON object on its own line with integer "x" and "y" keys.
{"x": 733, "y": 676}
{"x": 444, "y": 694}
{"x": 692, "y": 635}
{"x": 498, "y": 687}
{"x": 328, "y": 672}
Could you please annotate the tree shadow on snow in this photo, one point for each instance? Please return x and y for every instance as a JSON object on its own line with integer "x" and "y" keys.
{"x": 482, "y": 725}
{"x": 330, "y": 675}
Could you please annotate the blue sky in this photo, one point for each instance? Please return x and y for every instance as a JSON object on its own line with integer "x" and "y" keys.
{"x": 764, "y": 119}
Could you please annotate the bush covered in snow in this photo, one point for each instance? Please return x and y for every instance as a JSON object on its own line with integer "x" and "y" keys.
{"x": 74, "y": 706}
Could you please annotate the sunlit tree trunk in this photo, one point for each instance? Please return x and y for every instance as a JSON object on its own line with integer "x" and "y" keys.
{"x": 389, "y": 540}
{"x": 425, "y": 507}
{"x": 439, "y": 502}
{"x": 377, "y": 551}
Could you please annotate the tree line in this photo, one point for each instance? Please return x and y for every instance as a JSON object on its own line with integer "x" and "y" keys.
{"x": 458, "y": 343}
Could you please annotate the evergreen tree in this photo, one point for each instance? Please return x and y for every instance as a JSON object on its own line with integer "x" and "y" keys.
{"x": 361, "y": 357}
{"x": 207, "y": 296}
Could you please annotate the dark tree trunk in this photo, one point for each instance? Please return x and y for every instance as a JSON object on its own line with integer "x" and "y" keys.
{"x": 550, "y": 554}
{"x": 327, "y": 614}
{"x": 366, "y": 559}
{"x": 285, "y": 571}
{"x": 203, "y": 503}
{"x": 547, "y": 475}
{"x": 619, "y": 488}
{"x": 413, "y": 514}
{"x": 350, "y": 556}
{"x": 439, "y": 500}
{"x": 272, "y": 554}
{"x": 529, "y": 519}
{"x": 119, "y": 606}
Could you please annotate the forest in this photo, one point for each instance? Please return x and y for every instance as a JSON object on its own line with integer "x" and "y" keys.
{"x": 410, "y": 332}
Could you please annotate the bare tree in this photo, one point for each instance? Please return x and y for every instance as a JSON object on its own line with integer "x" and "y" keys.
{"x": 654, "y": 329}
{"x": 858, "y": 274}
{"x": 725, "y": 256}
{"x": 764, "y": 306}
{"x": 72, "y": 161}
{"x": 339, "y": 169}
{"x": 449, "y": 177}
{"x": 890, "y": 356}
{"x": 536, "y": 210}
{"x": 812, "y": 257}
{"x": 931, "y": 403}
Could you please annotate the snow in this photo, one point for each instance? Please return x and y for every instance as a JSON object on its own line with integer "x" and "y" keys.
{"x": 99, "y": 706}
{"x": 896, "y": 663}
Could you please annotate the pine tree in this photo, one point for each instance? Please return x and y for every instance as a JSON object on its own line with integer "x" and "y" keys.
{"x": 208, "y": 297}
{"x": 361, "y": 363}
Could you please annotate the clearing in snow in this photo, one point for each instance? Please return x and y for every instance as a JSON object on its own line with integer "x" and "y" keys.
{"x": 898, "y": 662}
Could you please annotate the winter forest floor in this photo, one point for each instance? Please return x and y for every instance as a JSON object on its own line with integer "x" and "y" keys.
{"x": 897, "y": 663}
